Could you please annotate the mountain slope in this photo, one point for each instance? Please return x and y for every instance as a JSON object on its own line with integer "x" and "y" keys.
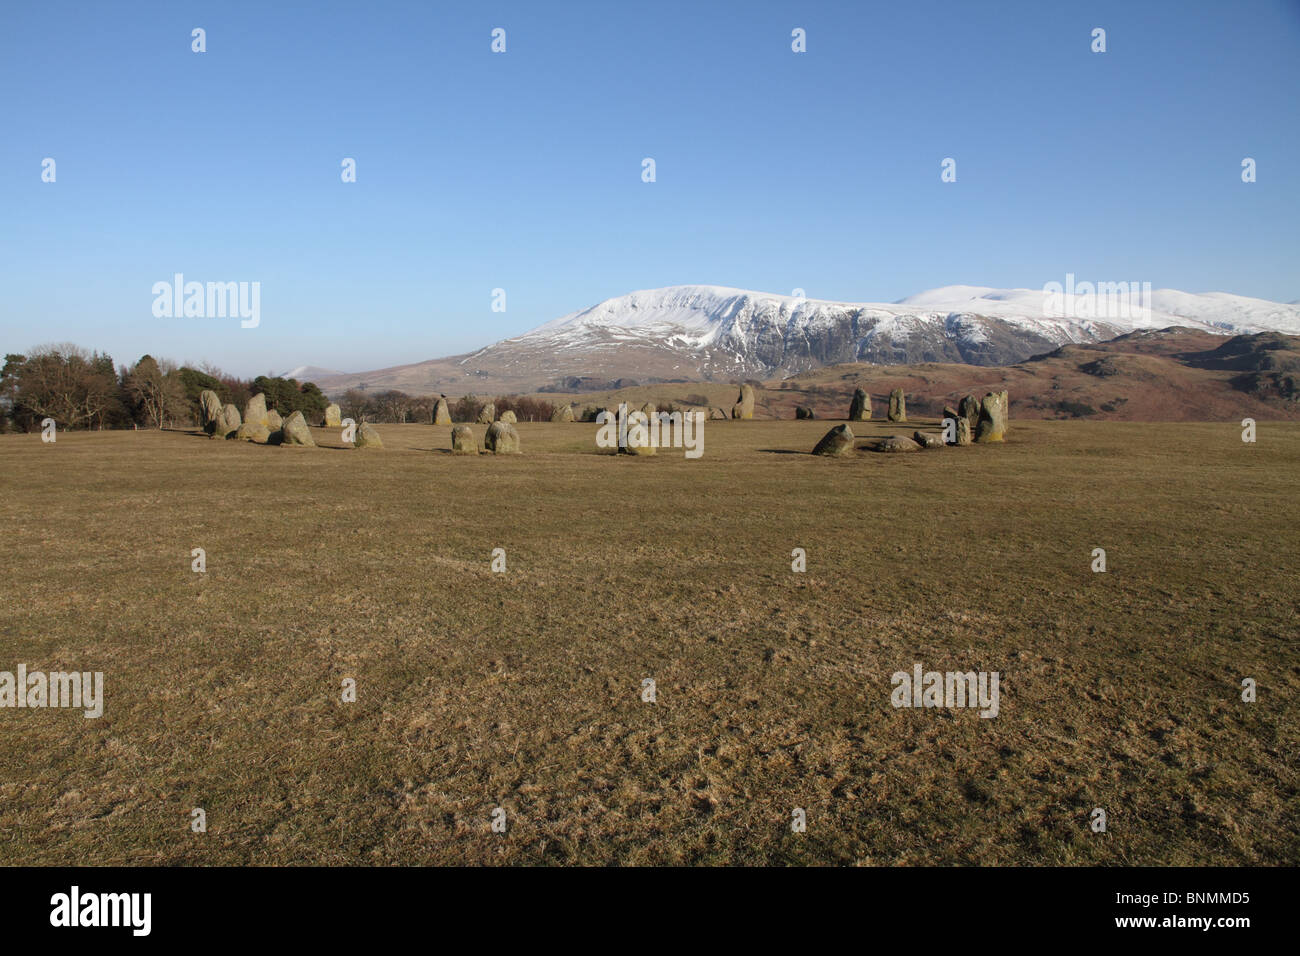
{"x": 712, "y": 333}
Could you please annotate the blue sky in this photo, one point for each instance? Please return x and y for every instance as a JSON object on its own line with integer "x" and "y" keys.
{"x": 522, "y": 170}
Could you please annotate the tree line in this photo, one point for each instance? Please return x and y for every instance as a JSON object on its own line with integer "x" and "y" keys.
{"x": 81, "y": 389}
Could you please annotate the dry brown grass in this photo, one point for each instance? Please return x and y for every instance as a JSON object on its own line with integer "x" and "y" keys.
{"x": 1120, "y": 690}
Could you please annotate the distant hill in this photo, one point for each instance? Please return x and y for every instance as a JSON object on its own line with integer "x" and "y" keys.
{"x": 1160, "y": 375}
{"x": 715, "y": 334}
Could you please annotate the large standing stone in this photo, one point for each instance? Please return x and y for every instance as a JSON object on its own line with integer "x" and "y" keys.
{"x": 897, "y": 406}
{"x": 228, "y": 422}
{"x": 744, "y": 407}
{"x": 294, "y": 431}
{"x": 836, "y": 442}
{"x": 969, "y": 408}
{"x": 963, "y": 431}
{"x": 273, "y": 420}
{"x": 210, "y": 409}
{"x": 488, "y": 414}
{"x": 509, "y": 417}
{"x": 502, "y": 439}
{"x": 441, "y": 413}
{"x": 255, "y": 410}
{"x": 562, "y": 414}
{"x": 462, "y": 441}
{"x": 251, "y": 431}
{"x": 368, "y": 437}
{"x": 860, "y": 407}
{"x": 333, "y": 416}
{"x": 638, "y": 436}
{"x": 993, "y": 420}
{"x": 1006, "y": 411}
{"x": 803, "y": 411}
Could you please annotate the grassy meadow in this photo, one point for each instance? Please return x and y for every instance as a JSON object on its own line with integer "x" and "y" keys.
{"x": 522, "y": 689}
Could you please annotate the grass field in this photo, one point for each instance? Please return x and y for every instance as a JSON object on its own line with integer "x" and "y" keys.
{"x": 522, "y": 689}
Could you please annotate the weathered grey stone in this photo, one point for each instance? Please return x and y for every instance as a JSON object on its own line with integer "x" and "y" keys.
{"x": 255, "y": 410}
{"x": 860, "y": 407}
{"x": 836, "y": 442}
{"x": 333, "y": 416}
{"x": 488, "y": 415}
{"x": 562, "y": 414}
{"x": 993, "y": 420}
{"x": 368, "y": 436}
{"x": 969, "y": 408}
{"x": 210, "y": 410}
{"x": 509, "y": 417}
{"x": 273, "y": 420}
{"x": 251, "y": 431}
{"x": 502, "y": 439}
{"x": 963, "y": 431}
{"x": 744, "y": 407}
{"x": 441, "y": 413}
{"x": 927, "y": 440}
{"x": 462, "y": 441}
{"x": 294, "y": 431}
{"x": 897, "y": 443}
{"x": 638, "y": 435}
{"x": 897, "y": 406}
{"x": 803, "y": 411}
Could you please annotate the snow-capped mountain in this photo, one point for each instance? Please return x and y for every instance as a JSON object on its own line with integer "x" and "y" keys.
{"x": 716, "y": 333}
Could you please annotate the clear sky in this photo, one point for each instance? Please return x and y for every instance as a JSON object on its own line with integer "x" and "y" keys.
{"x": 522, "y": 170}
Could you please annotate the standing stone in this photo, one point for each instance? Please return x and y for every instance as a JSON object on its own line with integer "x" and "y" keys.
{"x": 227, "y": 422}
{"x": 502, "y": 439}
{"x": 963, "y": 431}
{"x": 462, "y": 441}
{"x": 368, "y": 437}
{"x": 273, "y": 420}
{"x": 441, "y": 414}
{"x": 638, "y": 436}
{"x": 803, "y": 411}
{"x": 210, "y": 409}
{"x": 897, "y": 406}
{"x": 860, "y": 407}
{"x": 488, "y": 415}
{"x": 294, "y": 431}
{"x": 333, "y": 416}
{"x": 251, "y": 431}
{"x": 950, "y": 412}
{"x": 969, "y": 408}
{"x": 255, "y": 410}
{"x": 835, "y": 443}
{"x": 744, "y": 407}
{"x": 993, "y": 420}
{"x": 562, "y": 414}
{"x": 1006, "y": 411}
{"x": 508, "y": 417}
